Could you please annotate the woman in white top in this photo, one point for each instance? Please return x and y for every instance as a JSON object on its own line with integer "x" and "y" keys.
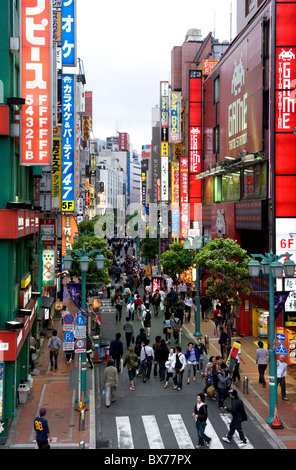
{"x": 168, "y": 365}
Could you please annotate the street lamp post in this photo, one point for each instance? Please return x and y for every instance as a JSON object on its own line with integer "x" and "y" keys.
{"x": 197, "y": 245}
{"x": 270, "y": 265}
{"x": 84, "y": 264}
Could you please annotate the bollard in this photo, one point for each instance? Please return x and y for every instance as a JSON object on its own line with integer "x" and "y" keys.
{"x": 246, "y": 384}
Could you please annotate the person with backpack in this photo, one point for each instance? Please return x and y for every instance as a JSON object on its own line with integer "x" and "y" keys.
{"x": 146, "y": 317}
{"x": 146, "y": 358}
{"x": 131, "y": 361}
{"x": 238, "y": 416}
{"x": 178, "y": 365}
{"x": 224, "y": 382}
{"x": 201, "y": 350}
{"x": 208, "y": 374}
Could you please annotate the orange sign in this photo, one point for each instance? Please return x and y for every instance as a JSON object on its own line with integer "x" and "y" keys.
{"x": 35, "y": 70}
{"x": 208, "y": 66}
{"x": 70, "y": 228}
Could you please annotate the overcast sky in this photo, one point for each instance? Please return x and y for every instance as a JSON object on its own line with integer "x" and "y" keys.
{"x": 126, "y": 49}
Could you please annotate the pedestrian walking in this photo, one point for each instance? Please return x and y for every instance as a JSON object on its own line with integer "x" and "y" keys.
{"x": 282, "y": 370}
{"x": 54, "y": 344}
{"x": 168, "y": 365}
{"x": 262, "y": 359}
{"x": 192, "y": 356}
{"x": 178, "y": 365}
{"x": 110, "y": 382}
{"x": 188, "y": 302}
{"x": 89, "y": 351}
{"x": 236, "y": 374}
{"x": 202, "y": 350}
{"x": 238, "y": 416}
{"x": 161, "y": 356}
{"x": 200, "y": 414}
{"x": 128, "y": 329}
{"x": 206, "y": 304}
{"x": 116, "y": 350}
{"x": 156, "y": 303}
{"x": 138, "y": 307}
{"x": 209, "y": 375}
{"x": 146, "y": 318}
{"x": 155, "y": 348}
{"x": 176, "y": 327}
{"x": 42, "y": 430}
{"x": 118, "y": 304}
{"x": 131, "y": 362}
{"x": 224, "y": 382}
{"x": 146, "y": 358}
{"x": 223, "y": 341}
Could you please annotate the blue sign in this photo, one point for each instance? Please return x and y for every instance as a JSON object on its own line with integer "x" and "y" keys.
{"x": 69, "y": 33}
{"x": 68, "y": 318}
{"x": 281, "y": 349}
{"x": 80, "y": 320}
{"x": 68, "y": 336}
{"x": 280, "y": 337}
{"x": 68, "y": 142}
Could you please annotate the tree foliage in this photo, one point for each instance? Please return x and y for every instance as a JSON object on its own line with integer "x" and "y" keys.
{"x": 93, "y": 276}
{"x": 227, "y": 265}
{"x": 177, "y": 259}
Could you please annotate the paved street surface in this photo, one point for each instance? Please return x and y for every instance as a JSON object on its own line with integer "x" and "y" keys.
{"x": 155, "y": 417}
{"x": 151, "y": 416}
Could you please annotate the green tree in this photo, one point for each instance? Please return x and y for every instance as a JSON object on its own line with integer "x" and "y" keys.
{"x": 177, "y": 259}
{"x": 149, "y": 248}
{"x": 94, "y": 278}
{"x": 227, "y": 265}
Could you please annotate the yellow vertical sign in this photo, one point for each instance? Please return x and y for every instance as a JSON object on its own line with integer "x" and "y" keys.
{"x": 56, "y": 173}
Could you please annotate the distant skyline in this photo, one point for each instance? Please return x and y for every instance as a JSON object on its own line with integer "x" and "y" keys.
{"x": 126, "y": 52}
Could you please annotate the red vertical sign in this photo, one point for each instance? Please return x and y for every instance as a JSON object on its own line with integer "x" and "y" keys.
{"x": 195, "y": 137}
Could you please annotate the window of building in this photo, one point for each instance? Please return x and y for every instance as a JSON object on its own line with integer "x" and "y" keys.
{"x": 216, "y": 143}
{"x": 255, "y": 181}
{"x": 217, "y": 90}
{"x": 250, "y": 4}
{"x": 218, "y": 188}
{"x": 231, "y": 187}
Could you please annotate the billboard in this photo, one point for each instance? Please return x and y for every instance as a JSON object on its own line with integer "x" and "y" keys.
{"x": 68, "y": 142}
{"x": 164, "y": 146}
{"x": 175, "y": 198}
{"x": 284, "y": 127}
{"x": 184, "y": 198}
{"x": 195, "y": 138}
{"x": 36, "y": 128}
{"x": 241, "y": 97}
{"x": 88, "y": 107}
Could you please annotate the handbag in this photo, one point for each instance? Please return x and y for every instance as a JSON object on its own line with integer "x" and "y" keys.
{"x": 169, "y": 330}
{"x": 211, "y": 391}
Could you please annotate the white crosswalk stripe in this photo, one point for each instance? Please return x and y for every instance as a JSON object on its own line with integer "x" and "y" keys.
{"x": 180, "y": 431}
{"x": 227, "y": 420}
{"x": 124, "y": 433}
{"x": 153, "y": 434}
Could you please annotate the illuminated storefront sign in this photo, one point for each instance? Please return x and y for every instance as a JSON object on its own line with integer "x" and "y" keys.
{"x": 36, "y": 40}
{"x": 56, "y": 174}
{"x": 175, "y": 198}
{"x": 195, "y": 138}
{"x": 164, "y": 146}
{"x": 184, "y": 199}
{"x": 68, "y": 142}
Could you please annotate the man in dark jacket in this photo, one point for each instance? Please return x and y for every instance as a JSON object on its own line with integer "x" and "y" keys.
{"x": 238, "y": 416}
{"x": 116, "y": 350}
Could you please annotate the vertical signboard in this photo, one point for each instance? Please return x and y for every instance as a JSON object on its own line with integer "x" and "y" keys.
{"x": 175, "y": 198}
{"x": 175, "y": 117}
{"x": 56, "y": 174}
{"x": 69, "y": 33}
{"x": 68, "y": 142}
{"x": 164, "y": 148}
{"x": 48, "y": 258}
{"x": 284, "y": 127}
{"x": 88, "y": 107}
{"x": 184, "y": 198}
{"x": 36, "y": 38}
{"x": 195, "y": 137}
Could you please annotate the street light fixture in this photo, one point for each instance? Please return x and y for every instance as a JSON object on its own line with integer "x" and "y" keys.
{"x": 271, "y": 265}
{"x": 84, "y": 265}
{"x": 196, "y": 245}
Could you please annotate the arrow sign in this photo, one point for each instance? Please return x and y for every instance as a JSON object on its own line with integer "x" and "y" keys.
{"x": 280, "y": 337}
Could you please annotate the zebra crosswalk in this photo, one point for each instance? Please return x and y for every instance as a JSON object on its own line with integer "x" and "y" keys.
{"x": 125, "y": 438}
